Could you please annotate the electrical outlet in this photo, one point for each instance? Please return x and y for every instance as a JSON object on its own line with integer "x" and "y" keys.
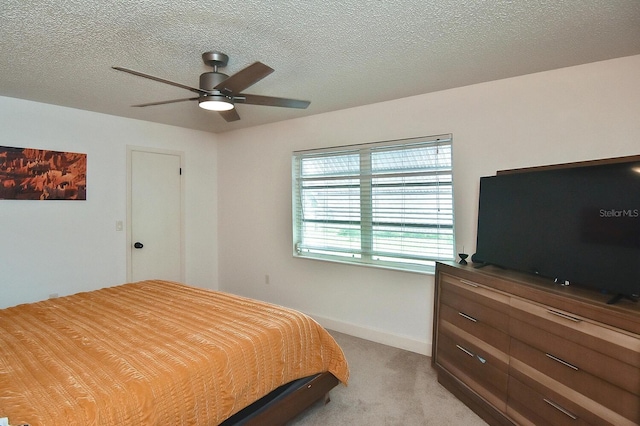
{"x": 51, "y": 296}
{"x": 119, "y": 225}
{"x": 266, "y": 279}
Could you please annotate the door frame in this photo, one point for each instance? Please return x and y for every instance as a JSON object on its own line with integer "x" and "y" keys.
{"x": 130, "y": 150}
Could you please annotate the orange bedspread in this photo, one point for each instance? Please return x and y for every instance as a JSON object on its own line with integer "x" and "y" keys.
{"x": 152, "y": 353}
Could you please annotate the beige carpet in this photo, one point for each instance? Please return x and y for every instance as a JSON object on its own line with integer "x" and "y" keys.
{"x": 389, "y": 387}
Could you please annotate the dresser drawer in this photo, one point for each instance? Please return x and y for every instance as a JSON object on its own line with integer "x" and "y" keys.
{"x": 484, "y": 374}
{"x": 481, "y": 303}
{"x": 475, "y": 327}
{"x": 576, "y": 356}
{"x": 544, "y": 402}
{"x": 592, "y": 391}
{"x": 602, "y": 339}
{"x": 470, "y": 305}
{"x": 529, "y": 407}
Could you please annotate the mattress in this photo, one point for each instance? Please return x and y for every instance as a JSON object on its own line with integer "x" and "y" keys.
{"x": 153, "y": 352}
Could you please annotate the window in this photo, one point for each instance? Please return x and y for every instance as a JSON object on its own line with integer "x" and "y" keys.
{"x": 387, "y": 204}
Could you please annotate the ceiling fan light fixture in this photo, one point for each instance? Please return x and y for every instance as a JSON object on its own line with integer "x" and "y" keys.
{"x": 215, "y": 103}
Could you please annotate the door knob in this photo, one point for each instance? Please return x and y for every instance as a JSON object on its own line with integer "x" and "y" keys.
{"x": 138, "y": 245}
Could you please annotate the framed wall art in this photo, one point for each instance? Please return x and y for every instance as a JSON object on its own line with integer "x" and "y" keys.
{"x": 36, "y": 174}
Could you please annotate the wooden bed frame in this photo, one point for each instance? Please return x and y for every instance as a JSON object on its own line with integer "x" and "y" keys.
{"x": 286, "y": 402}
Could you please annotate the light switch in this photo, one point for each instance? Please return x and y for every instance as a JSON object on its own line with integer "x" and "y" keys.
{"x": 118, "y": 225}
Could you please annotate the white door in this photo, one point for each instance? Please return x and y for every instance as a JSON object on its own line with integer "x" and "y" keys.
{"x": 155, "y": 208}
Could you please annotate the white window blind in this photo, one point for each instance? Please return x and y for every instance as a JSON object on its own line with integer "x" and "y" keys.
{"x": 387, "y": 204}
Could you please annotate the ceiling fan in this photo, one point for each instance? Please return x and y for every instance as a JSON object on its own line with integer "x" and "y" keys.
{"x": 219, "y": 92}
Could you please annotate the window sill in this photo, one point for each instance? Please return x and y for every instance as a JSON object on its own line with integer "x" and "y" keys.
{"x": 415, "y": 269}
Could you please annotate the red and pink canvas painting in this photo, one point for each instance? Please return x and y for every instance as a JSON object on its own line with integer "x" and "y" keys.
{"x": 36, "y": 174}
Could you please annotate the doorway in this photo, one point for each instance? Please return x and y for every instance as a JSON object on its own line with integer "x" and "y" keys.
{"x": 155, "y": 210}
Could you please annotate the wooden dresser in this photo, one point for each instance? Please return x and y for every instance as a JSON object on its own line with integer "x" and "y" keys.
{"x": 519, "y": 349}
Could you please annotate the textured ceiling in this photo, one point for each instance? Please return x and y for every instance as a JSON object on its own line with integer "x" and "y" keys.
{"x": 336, "y": 53}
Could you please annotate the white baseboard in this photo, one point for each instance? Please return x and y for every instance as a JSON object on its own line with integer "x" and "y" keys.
{"x": 402, "y": 342}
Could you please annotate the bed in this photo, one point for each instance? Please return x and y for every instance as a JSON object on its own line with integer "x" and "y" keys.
{"x": 162, "y": 353}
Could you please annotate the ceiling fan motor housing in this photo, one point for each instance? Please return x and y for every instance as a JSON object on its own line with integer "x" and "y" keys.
{"x": 209, "y": 80}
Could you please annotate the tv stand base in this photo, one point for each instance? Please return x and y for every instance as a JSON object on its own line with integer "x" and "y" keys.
{"x": 619, "y": 297}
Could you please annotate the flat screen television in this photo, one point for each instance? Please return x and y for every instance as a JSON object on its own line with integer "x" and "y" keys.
{"x": 578, "y": 224}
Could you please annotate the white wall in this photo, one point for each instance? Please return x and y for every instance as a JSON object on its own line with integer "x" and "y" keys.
{"x": 571, "y": 114}
{"x": 65, "y": 247}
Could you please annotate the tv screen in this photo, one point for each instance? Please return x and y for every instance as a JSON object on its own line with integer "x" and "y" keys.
{"x": 580, "y": 224}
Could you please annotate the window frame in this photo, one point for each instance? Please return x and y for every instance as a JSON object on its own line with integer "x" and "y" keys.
{"x": 366, "y": 255}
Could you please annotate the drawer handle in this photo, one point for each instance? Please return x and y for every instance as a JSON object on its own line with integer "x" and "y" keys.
{"x": 469, "y": 283}
{"x": 470, "y": 318}
{"x": 559, "y": 408}
{"x": 465, "y": 351}
{"x": 565, "y": 316}
{"x": 565, "y": 363}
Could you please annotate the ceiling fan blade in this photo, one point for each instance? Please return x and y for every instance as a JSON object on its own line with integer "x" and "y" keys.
{"x": 231, "y": 115}
{"x": 161, "y": 80}
{"x": 166, "y": 102}
{"x": 244, "y": 78}
{"x": 270, "y": 101}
